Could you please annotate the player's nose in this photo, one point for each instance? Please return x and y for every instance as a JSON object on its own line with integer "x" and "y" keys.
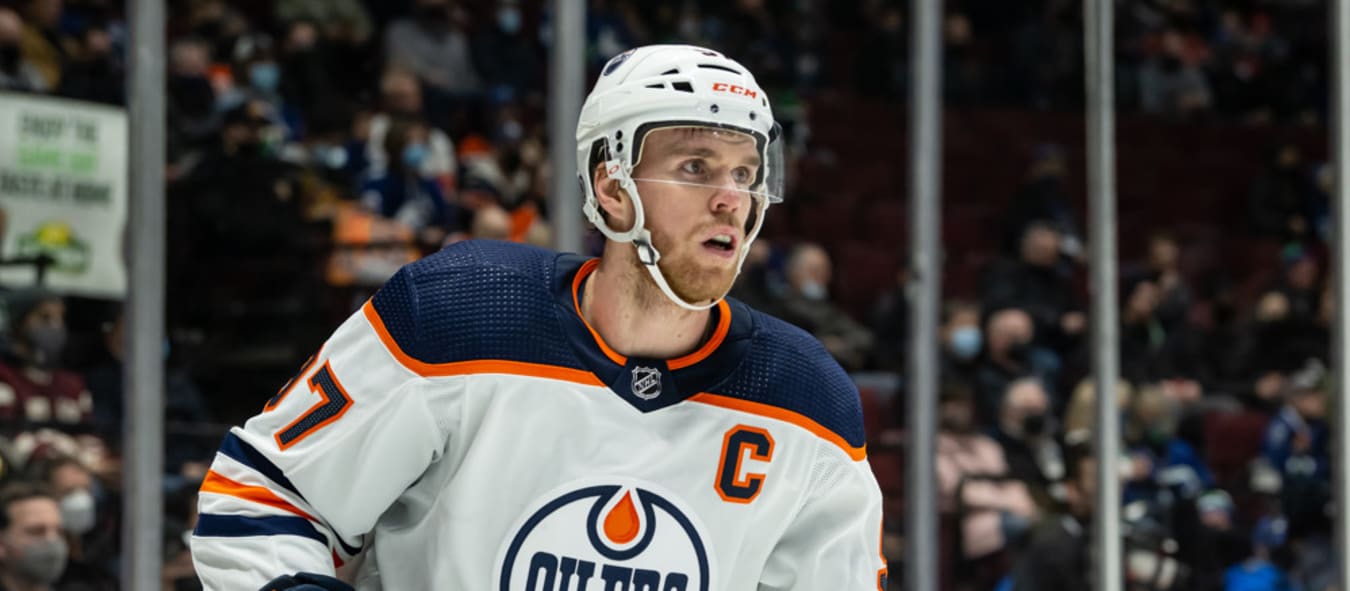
{"x": 726, "y": 196}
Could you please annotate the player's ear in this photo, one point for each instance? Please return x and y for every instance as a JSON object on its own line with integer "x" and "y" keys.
{"x": 615, "y": 204}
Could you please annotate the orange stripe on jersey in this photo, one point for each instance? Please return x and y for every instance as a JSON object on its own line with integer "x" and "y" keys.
{"x": 856, "y": 453}
{"x": 586, "y": 269}
{"x": 459, "y": 368}
{"x": 720, "y": 333}
{"x": 216, "y": 483}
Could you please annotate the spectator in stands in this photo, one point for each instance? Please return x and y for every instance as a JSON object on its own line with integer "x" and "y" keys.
{"x": 185, "y": 413}
{"x": 1300, "y": 283}
{"x": 401, "y": 193}
{"x": 1298, "y": 441}
{"x": 306, "y": 72}
{"x": 1026, "y": 432}
{"x": 973, "y": 479}
{"x": 1159, "y": 460}
{"x": 32, "y": 552}
{"x": 1043, "y": 198}
{"x": 73, "y": 487}
{"x": 1172, "y": 82}
{"x": 434, "y": 46}
{"x": 1150, "y": 350}
{"x": 1175, "y": 294}
{"x": 39, "y": 391}
{"x": 962, "y": 340}
{"x": 1212, "y": 541}
{"x": 94, "y": 73}
{"x": 401, "y": 96}
{"x": 341, "y": 21}
{"x": 1009, "y": 354}
{"x": 807, "y": 304}
{"x": 191, "y": 98}
{"x": 16, "y": 72}
{"x": 240, "y": 198}
{"x": 42, "y": 42}
{"x": 506, "y": 56}
{"x": 1277, "y": 203}
{"x": 1058, "y": 555}
{"x": 1037, "y": 284}
{"x": 1261, "y": 571}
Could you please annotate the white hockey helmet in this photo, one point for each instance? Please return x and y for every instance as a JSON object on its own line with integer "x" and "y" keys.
{"x": 661, "y": 86}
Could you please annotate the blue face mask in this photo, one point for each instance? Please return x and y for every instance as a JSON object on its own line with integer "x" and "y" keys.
{"x": 966, "y": 342}
{"x": 414, "y": 155}
{"x": 264, "y": 76}
{"x": 508, "y": 20}
{"x": 814, "y": 291}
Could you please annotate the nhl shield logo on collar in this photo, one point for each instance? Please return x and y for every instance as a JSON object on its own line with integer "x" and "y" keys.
{"x": 646, "y": 382}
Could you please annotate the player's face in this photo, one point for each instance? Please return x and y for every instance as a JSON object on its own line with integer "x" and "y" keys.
{"x": 694, "y": 185}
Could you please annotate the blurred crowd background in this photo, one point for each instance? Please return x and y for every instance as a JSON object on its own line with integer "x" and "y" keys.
{"x": 317, "y": 145}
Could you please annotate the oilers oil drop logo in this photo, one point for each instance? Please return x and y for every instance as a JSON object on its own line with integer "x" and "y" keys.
{"x": 604, "y": 537}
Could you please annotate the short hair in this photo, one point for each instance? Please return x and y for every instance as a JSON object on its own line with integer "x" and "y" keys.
{"x": 18, "y": 491}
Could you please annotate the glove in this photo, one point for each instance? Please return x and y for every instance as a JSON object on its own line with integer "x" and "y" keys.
{"x": 306, "y": 582}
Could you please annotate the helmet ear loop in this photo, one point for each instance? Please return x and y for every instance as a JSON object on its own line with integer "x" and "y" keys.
{"x": 638, "y": 233}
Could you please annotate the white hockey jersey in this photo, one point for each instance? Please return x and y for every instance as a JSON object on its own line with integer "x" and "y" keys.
{"x": 467, "y": 430}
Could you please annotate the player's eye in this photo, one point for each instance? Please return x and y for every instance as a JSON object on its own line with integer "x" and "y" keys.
{"x": 694, "y": 167}
{"x": 742, "y": 175}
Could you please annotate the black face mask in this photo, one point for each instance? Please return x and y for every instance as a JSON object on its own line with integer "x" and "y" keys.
{"x": 9, "y": 58}
{"x": 1034, "y": 425}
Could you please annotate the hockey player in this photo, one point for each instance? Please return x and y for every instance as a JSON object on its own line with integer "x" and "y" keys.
{"x": 501, "y": 417}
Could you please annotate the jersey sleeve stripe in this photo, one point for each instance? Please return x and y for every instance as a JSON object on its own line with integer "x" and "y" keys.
{"x": 480, "y": 366}
{"x": 238, "y": 526}
{"x": 245, "y": 454}
{"x": 219, "y": 484}
{"x": 856, "y": 453}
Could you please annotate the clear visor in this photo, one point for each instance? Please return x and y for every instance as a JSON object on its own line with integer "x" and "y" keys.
{"x": 703, "y": 157}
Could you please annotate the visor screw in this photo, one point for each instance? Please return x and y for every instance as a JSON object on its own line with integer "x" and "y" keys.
{"x": 714, "y": 108}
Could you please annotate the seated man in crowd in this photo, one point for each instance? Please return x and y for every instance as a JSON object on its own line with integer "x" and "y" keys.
{"x": 32, "y": 551}
{"x": 808, "y": 306}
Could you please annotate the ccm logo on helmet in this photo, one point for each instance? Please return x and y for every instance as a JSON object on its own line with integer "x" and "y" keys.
{"x": 734, "y": 89}
{"x": 606, "y": 537}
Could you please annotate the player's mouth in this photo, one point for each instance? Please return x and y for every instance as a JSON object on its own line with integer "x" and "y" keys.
{"x": 722, "y": 244}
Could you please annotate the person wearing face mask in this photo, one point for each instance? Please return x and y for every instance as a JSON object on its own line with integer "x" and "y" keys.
{"x": 401, "y": 97}
{"x": 808, "y": 305}
{"x": 1157, "y": 459}
{"x": 504, "y": 55}
{"x": 962, "y": 339}
{"x": 71, "y": 483}
{"x": 400, "y": 193}
{"x": 41, "y": 393}
{"x": 33, "y": 554}
{"x": 1009, "y": 354}
{"x": 1026, "y": 432}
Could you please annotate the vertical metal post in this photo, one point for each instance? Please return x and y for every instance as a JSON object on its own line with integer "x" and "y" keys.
{"x": 143, "y": 426}
{"x": 925, "y": 178}
{"x": 1101, "y": 146}
{"x": 567, "y": 84}
{"x": 1340, "y": 134}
